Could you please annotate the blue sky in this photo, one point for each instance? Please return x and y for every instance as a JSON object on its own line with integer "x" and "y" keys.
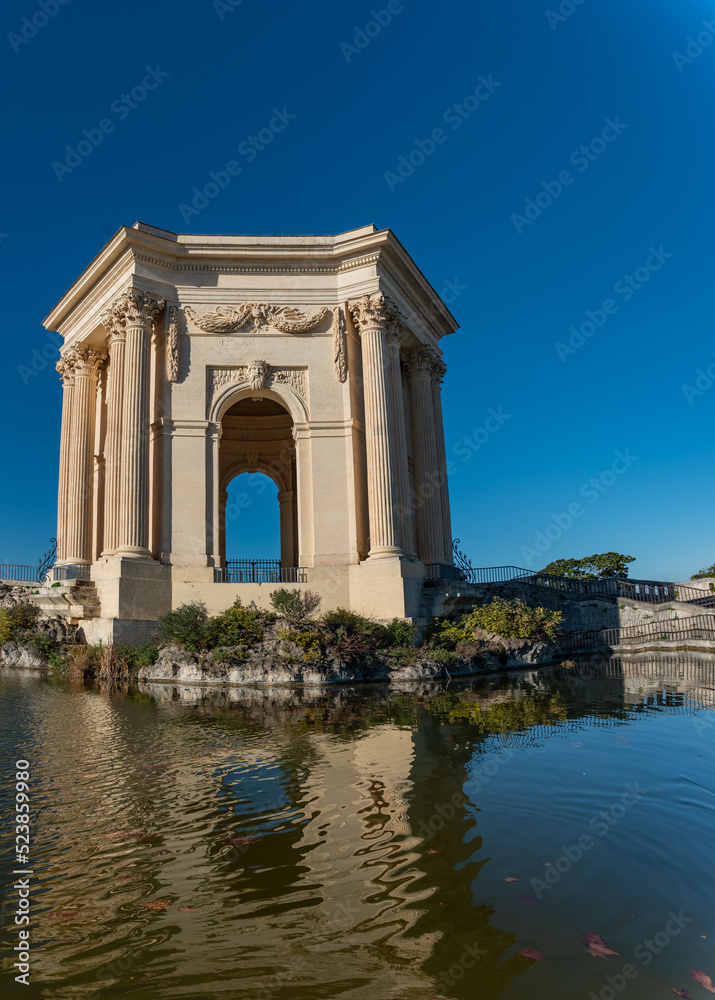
{"x": 533, "y": 88}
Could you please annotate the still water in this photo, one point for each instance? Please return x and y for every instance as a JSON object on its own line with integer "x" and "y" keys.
{"x": 530, "y": 836}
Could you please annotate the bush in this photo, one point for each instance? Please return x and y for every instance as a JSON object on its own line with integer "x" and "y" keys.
{"x": 295, "y": 606}
{"x": 704, "y": 573}
{"x": 515, "y": 620}
{"x": 309, "y": 641}
{"x": 17, "y": 624}
{"x": 188, "y": 626}
{"x": 239, "y": 626}
{"x": 400, "y": 633}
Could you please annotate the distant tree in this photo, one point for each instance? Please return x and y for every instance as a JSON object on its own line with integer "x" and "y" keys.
{"x": 599, "y": 567}
{"x": 704, "y": 573}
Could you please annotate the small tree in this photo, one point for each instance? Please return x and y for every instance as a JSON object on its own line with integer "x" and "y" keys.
{"x": 295, "y": 606}
{"x": 607, "y": 566}
{"x": 704, "y": 573}
{"x": 188, "y": 626}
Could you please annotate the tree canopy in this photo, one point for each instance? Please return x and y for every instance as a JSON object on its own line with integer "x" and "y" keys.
{"x": 704, "y": 573}
{"x": 607, "y": 566}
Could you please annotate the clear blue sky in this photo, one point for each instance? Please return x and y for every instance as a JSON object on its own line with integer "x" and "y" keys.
{"x": 552, "y": 86}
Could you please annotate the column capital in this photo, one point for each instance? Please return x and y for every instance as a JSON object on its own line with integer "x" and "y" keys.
{"x": 425, "y": 363}
{"x": 373, "y": 311}
{"x": 113, "y": 322}
{"x": 86, "y": 361}
{"x": 65, "y": 366}
{"x": 133, "y": 308}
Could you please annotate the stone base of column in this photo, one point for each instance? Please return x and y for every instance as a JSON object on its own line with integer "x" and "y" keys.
{"x": 385, "y": 552}
{"x": 133, "y": 553}
{"x": 132, "y": 589}
{"x": 387, "y": 588}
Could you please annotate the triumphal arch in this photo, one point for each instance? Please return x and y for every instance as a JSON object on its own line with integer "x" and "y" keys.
{"x": 188, "y": 360}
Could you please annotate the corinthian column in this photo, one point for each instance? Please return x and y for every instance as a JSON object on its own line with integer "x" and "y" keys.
{"x": 139, "y": 312}
{"x": 397, "y": 411}
{"x": 114, "y": 322}
{"x": 65, "y": 366}
{"x": 371, "y": 315}
{"x": 439, "y": 370}
{"x": 429, "y": 507}
{"x": 78, "y": 542}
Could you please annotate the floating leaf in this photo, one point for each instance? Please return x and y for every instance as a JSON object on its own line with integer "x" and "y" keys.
{"x": 160, "y": 904}
{"x": 512, "y": 879}
{"x": 597, "y": 946}
{"x": 532, "y": 954}
{"x": 162, "y": 854}
{"x": 546, "y": 864}
{"x": 704, "y": 980}
{"x": 683, "y": 994}
{"x": 431, "y": 851}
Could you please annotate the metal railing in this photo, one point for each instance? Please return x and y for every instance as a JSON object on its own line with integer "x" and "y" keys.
{"x": 674, "y": 630}
{"x": 82, "y": 574}
{"x": 19, "y": 574}
{"x": 259, "y": 571}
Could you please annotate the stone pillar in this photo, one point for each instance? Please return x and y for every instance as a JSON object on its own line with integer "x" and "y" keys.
{"x": 140, "y": 313}
{"x": 286, "y": 499}
{"x": 222, "y": 500}
{"x": 78, "y": 535}
{"x": 439, "y": 370}
{"x": 65, "y": 366}
{"x": 114, "y": 322}
{"x": 429, "y": 507}
{"x": 397, "y": 412}
{"x": 371, "y": 315}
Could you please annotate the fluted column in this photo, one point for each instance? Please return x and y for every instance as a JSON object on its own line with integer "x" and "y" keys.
{"x": 78, "y": 538}
{"x": 429, "y": 508}
{"x": 65, "y": 366}
{"x": 140, "y": 313}
{"x": 439, "y": 369}
{"x": 397, "y": 410}
{"x": 114, "y": 322}
{"x": 222, "y": 501}
{"x": 371, "y": 315}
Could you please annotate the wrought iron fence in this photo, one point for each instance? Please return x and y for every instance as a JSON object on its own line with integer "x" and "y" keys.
{"x": 82, "y": 574}
{"x": 672, "y": 630}
{"x": 19, "y": 574}
{"x": 259, "y": 571}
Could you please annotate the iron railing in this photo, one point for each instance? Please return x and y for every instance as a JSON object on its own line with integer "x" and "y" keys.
{"x": 673, "y": 630}
{"x": 82, "y": 574}
{"x": 648, "y": 591}
{"x": 259, "y": 571}
{"x": 19, "y": 574}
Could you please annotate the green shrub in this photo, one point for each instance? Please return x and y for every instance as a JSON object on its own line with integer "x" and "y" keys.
{"x": 514, "y": 620}
{"x": 17, "y": 623}
{"x": 400, "y": 633}
{"x": 58, "y": 584}
{"x": 309, "y": 641}
{"x": 239, "y": 626}
{"x": 295, "y": 605}
{"x": 188, "y": 626}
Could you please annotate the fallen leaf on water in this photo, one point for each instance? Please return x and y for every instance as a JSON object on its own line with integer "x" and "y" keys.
{"x": 189, "y": 909}
{"x": 160, "y": 904}
{"x": 597, "y": 946}
{"x": 161, "y": 854}
{"x": 63, "y": 915}
{"x": 432, "y": 851}
{"x": 683, "y": 994}
{"x": 530, "y": 899}
{"x": 533, "y": 954}
{"x": 704, "y": 980}
{"x": 511, "y": 879}
{"x": 546, "y": 864}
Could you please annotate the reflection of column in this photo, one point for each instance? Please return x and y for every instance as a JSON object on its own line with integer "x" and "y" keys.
{"x": 397, "y": 412}
{"x": 114, "y": 322}
{"x": 439, "y": 370}
{"x": 429, "y": 506}
{"x": 78, "y": 541}
{"x": 371, "y": 315}
{"x": 222, "y": 498}
{"x": 140, "y": 312}
{"x": 286, "y": 499}
{"x": 65, "y": 366}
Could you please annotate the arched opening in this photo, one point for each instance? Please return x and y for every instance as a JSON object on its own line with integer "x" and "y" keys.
{"x": 258, "y": 515}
